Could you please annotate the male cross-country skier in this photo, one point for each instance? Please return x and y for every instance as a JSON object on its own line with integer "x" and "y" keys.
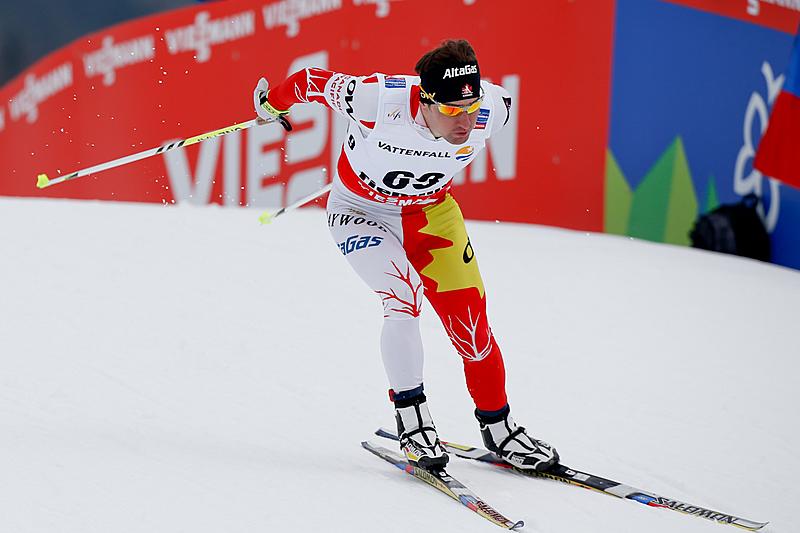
{"x": 393, "y": 217}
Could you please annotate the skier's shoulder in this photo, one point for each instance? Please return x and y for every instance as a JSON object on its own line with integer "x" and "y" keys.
{"x": 399, "y": 81}
{"x": 369, "y": 87}
{"x": 498, "y": 101}
{"x": 495, "y": 96}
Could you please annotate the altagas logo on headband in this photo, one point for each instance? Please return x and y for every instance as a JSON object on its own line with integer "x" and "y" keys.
{"x": 454, "y": 72}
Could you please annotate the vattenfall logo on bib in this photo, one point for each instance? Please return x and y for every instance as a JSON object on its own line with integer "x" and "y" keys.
{"x": 454, "y": 72}
{"x": 462, "y": 154}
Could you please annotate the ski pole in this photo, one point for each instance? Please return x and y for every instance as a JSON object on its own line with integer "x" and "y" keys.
{"x": 266, "y": 217}
{"x": 43, "y": 181}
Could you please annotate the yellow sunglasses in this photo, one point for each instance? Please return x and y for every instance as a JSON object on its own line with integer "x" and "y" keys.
{"x": 450, "y": 110}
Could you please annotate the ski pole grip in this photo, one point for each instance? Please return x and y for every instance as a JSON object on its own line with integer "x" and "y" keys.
{"x": 279, "y": 115}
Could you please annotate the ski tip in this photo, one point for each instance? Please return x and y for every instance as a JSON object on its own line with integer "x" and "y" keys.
{"x": 42, "y": 181}
{"x": 517, "y": 525}
{"x": 386, "y": 433}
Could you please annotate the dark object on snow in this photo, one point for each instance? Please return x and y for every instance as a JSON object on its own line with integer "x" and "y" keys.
{"x": 733, "y": 229}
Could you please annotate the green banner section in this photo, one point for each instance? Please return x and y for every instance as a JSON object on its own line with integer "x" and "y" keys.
{"x": 663, "y": 207}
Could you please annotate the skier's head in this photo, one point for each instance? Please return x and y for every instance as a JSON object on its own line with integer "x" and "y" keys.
{"x": 450, "y": 95}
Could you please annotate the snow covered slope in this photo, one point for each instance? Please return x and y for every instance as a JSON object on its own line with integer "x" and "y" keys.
{"x": 185, "y": 369}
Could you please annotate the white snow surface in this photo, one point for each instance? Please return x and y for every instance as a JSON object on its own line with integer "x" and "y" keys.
{"x": 184, "y": 369}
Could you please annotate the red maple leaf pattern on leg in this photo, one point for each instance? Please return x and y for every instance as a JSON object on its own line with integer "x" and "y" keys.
{"x": 413, "y": 307}
{"x": 467, "y": 342}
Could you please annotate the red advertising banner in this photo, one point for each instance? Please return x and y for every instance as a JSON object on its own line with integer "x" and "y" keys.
{"x": 175, "y": 75}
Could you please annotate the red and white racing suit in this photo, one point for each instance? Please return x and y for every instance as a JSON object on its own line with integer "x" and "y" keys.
{"x": 394, "y": 219}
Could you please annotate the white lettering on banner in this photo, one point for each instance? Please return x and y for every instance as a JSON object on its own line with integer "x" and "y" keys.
{"x": 754, "y": 6}
{"x": 461, "y": 176}
{"x": 502, "y": 145}
{"x": 264, "y": 158}
{"x": 304, "y": 183}
{"x": 195, "y": 190}
{"x": 232, "y": 169}
{"x": 262, "y": 166}
{"x": 382, "y": 7}
{"x": 753, "y": 181}
{"x": 110, "y": 57}
{"x": 205, "y": 32}
{"x": 26, "y": 102}
{"x": 2, "y": 120}
{"x": 289, "y": 13}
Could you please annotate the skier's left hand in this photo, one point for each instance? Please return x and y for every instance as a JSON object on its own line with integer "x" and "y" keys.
{"x": 264, "y": 109}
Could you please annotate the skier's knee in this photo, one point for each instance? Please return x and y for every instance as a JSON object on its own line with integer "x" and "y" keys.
{"x": 403, "y": 298}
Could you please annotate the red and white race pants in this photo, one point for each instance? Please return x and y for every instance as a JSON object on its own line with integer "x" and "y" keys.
{"x": 405, "y": 252}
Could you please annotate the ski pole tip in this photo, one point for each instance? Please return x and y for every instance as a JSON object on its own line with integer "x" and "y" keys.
{"x": 265, "y": 218}
{"x": 42, "y": 181}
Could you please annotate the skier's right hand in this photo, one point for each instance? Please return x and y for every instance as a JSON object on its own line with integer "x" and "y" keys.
{"x": 264, "y": 109}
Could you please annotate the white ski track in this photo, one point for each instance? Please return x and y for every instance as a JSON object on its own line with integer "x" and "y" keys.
{"x": 161, "y": 369}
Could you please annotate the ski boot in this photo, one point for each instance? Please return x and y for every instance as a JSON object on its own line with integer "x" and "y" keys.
{"x": 511, "y": 442}
{"x": 418, "y": 438}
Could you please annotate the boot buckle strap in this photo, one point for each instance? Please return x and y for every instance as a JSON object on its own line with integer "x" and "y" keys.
{"x": 511, "y": 437}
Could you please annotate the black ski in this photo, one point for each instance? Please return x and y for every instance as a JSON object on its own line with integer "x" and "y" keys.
{"x": 447, "y": 484}
{"x": 568, "y": 475}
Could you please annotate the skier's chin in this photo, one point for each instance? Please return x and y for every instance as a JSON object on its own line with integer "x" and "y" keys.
{"x": 457, "y": 138}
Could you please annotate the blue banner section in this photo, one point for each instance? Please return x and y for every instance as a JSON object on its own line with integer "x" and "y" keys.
{"x": 710, "y": 81}
{"x": 793, "y": 74}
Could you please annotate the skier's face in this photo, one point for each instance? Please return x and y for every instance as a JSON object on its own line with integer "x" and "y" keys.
{"x": 456, "y": 129}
